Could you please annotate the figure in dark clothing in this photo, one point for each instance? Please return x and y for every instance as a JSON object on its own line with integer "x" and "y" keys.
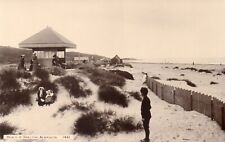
{"x": 56, "y": 61}
{"x": 31, "y": 65}
{"x": 21, "y": 65}
{"x": 41, "y": 96}
{"x": 145, "y": 112}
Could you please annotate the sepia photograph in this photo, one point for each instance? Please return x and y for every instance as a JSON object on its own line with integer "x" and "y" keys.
{"x": 112, "y": 70}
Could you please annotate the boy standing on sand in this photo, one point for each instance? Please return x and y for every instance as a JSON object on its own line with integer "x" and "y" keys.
{"x": 145, "y": 112}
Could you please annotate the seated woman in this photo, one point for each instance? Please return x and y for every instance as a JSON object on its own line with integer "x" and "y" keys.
{"x": 50, "y": 97}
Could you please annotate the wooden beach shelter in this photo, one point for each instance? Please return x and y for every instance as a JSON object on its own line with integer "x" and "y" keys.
{"x": 45, "y": 44}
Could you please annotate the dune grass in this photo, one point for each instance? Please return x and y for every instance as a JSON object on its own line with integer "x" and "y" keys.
{"x": 5, "y": 129}
{"x": 103, "y": 77}
{"x": 94, "y": 122}
{"x": 72, "y": 84}
{"x": 136, "y": 95}
{"x": 123, "y": 74}
{"x": 57, "y": 71}
{"x": 11, "y": 99}
{"x": 125, "y": 124}
{"x": 110, "y": 94}
{"x": 8, "y": 80}
{"x": 186, "y": 80}
{"x": 155, "y": 77}
{"x": 91, "y": 123}
{"x": 41, "y": 73}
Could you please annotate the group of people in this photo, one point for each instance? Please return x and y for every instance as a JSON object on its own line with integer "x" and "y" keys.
{"x": 33, "y": 63}
{"x": 45, "y": 97}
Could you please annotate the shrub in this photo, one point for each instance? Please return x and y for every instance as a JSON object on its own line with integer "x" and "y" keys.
{"x": 212, "y": 82}
{"x": 71, "y": 65}
{"x": 58, "y": 71}
{"x": 83, "y": 106}
{"x": 155, "y": 77}
{"x": 47, "y": 85}
{"x": 190, "y": 68}
{"x": 103, "y": 77}
{"x": 71, "y": 83}
{"x": 5, "y": 109}
{"x": 176, "y": 67}
{"x": 109, "y": 94}
{"x": 126, "y": 124}
{"x": 128, "y": 65}
{"x": 19, "y": 97}
{"x": 223, "y": 71}
{"x": 41, "y": 73}
{"x": 124, "y": 74}
{"x": 182, "y": 74}
{"x": 11, "y": 99}
{"x": 173, "y": 79}
{"x": 136, "y": 95}
{"x": 204, "y": 70}
{"x": 23, "y": 74}
{"x": 218, "y": 74}
{"x": 189, "y": 83}
{"x": 8, "y": 80}
{"x": 5, "y": 129}
{"x": 77, "y": 105}
{"x": 91, "y": 123}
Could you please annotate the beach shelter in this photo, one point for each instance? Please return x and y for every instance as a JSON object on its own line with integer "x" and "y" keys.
{"x": 46, "y": 43}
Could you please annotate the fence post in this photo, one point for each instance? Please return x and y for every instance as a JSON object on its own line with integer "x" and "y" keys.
{"x": 173, "y": 95}
{"x": 162, "y": 92}
{"x": 223, "y": 124}
{"x": 191, "y": 101}
{"x": 212, "y": 108}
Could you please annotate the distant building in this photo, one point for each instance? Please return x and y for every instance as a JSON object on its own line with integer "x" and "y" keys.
{"x": 46, "y": 43}
{"x": 116, "y": 60}
{"x": 81, "y": 59}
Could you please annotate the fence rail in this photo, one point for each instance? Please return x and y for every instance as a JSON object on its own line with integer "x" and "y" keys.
{"x": 190, "y": 100}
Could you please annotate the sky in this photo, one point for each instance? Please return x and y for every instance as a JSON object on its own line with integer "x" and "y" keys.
{"x": 141, "y": 29}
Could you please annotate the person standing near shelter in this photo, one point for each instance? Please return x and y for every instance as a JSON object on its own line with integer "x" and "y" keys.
{"x": 145, "y": 113}
{"x": 35, "y": 62}
{"x": 21, "y": 65}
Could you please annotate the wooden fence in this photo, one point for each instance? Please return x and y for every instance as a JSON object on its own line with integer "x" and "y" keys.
{"x": 190, "y": 100}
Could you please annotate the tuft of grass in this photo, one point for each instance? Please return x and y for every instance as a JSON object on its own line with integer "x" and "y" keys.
{"x": 11, "y": 99}
{"x": 125, "y": 124}
{"x": 94, "y": 122}
{"x": 173, "y": 79}
{"x": 190, "y": 68}
{"x": 110, "y": 94}
{"x": 223, "y": 71}
{"x": 72, "y": 84}
{"x": 124, "y": 74}
{"x": 128, "y": 65}
{"x": 91, "y": 123}
{"x": 212, "y": 83}
{"x": 155, "y": 77}
{"x": 103, "y": 77}
{"x": 8, "y": 80}
{"x": 189, "y": 83}
{"x": 204, "y": 70}
{"x": 41, "y": 73}
{"x": 136, "y": 95}
{"x": 77, "y": 105}
{"x": 57, "y": 71}
{"x": 23, "y": 74}
{"x": 218, "y": 74}
{"x": 5, "y": 129}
